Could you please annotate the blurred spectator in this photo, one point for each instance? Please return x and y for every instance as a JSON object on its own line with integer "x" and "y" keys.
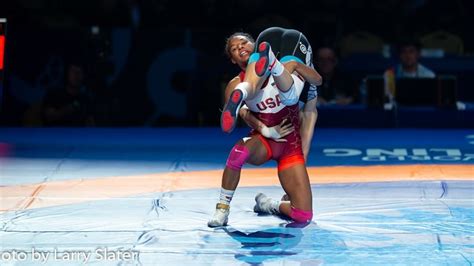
{"x": 409, "y": 67}
{"x": 69, "y": 106}
{"x": 337, "y": 87}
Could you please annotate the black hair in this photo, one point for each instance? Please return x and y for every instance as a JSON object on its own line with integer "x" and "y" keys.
{"x": 227, "y": 47}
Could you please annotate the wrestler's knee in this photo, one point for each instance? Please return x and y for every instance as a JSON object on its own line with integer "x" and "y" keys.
{"x": 301, "y": 216}
{"x": 238, "y": 157}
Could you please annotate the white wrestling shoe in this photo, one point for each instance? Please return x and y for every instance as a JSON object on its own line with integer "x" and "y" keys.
{"x": 264, "y": 204}
{"x": 221, "y": 216}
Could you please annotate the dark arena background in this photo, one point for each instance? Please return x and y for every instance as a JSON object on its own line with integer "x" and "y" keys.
{"x": 111, "y": 151}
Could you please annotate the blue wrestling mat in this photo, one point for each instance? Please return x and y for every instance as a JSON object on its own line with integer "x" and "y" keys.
{"x": 143, "y": 197}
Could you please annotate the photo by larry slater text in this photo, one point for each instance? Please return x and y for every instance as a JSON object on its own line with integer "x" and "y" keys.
{"x": 84, "y": 256}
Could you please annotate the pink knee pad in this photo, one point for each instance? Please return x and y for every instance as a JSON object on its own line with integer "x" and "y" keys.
{"x": 300, "y": 215}
{"x": 237, "y": 157}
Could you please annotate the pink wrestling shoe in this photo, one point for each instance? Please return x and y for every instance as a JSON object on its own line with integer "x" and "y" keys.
{"x": 231, "y": 109}
{"x": 266, "y": 59}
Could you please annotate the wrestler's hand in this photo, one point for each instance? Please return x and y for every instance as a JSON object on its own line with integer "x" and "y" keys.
{"x": 278, "y": 132}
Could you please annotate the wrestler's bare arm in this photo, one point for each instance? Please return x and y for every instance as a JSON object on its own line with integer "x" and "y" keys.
{"x": 308, "y": 117}
{"x": 251, "y": 120}
{"x": 276, "y": 132}
{"x": 308, "y": 73}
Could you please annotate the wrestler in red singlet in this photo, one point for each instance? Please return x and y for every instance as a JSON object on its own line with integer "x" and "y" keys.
{"x": 267, "y": 107}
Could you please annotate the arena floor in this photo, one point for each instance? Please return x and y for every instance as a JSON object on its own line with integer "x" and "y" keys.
{"x": 143, "y": 197}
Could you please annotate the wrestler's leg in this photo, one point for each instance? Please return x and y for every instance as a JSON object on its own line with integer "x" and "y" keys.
{"x": 295, "y": 182}
{"x": 292, "y": 46}
{"x": 252, "y": 151}
{"x": 244, "y": 90}
{"x": 268, "y": 63}
{"x": 257, "y": 155}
